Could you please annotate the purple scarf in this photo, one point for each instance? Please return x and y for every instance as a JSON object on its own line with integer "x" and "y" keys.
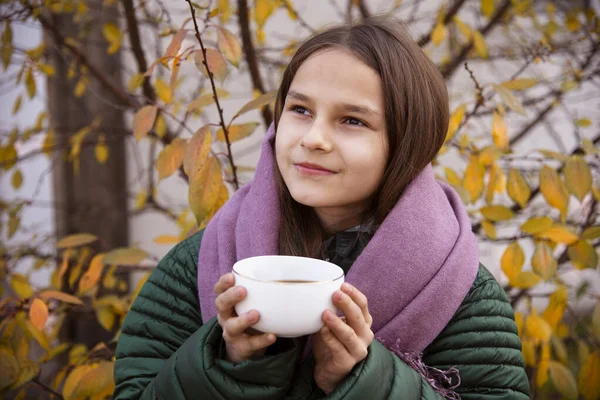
{"x": 415, "y": 271}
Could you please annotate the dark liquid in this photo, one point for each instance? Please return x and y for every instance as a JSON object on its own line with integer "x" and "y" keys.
{"x": 294, "y": 281}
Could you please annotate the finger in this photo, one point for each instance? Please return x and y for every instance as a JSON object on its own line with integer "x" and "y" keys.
{"x": 260, "y": 342}
{"x": 337, "y": 349}
{"x": 237, "y": 326}
{"x": 346, "y": 335}
{"x": 225, "y": 282}
{"x": 360, "y": 299}
{"x": 228, "y": 299}
{"x": 352, "y": 312}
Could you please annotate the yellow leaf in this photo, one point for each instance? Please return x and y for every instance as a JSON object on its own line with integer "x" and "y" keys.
{"x": 259, "y": 102}
{"x": 8, "y": 156}
{"x": 572, "y": 21}
{"x": 487, "y": 7}
{"x": 452, "y": 177}
{"x": 205, "y": 188}
{"x": 262, "y": 10}
{"x": 21, "y": 286}
{"x": 9, "y": 367}
{"x": 139, "y": 286}
{"x": 37, "y": 334}
{"x": 559, "y": 233}
{"x": 583, "y": 122}
{"x": 49, "y": 143}
{"x": 47, "y": 69}
{"x": 596, "y": 320}
{"x": 94, "y": 380}
{"x": 30, "y": 83}
{"x": 140, "y": 200}
{"x": 113, "y": 36}
{"x": 568, "y": 85}
{"x": 197, "y": 151}
{"x": 135, "y": 82}
{"x": 106, "y": 317}
{"x": 38, "y": 313}
{"x": 124, "y": 256}
{"x": 543, "y": 262}
{"x": 163, "y": 91}
{"x": 160, "y": 126}
{"x": 28, "y": 370}
{"x": 93, "y": 273}
{"x": 513, "y": 260}
{"x": 216, "y": 63}
{"x": 529, "y": 352}
{"x": 591, "y": 233}
{"x": 143, "y": 121}
{"x": 578, "y": 177}
{"x": 489, "y": 155}
{"x": 455, "y": 120}
{"x": 17, "y": 179}
{"x": 479, "y": 44}
{"x": 542, "y": 372}
{"x": 224, "y": 11}
{"x": 525, "y": 280}
{"x": 583, "y": 255}
{"x": 519, "y": 84}
{"x": 237, "y": 132}
{"x": 462, "y": 27}
{"x": 518, "y": 188}
{"x": 101, "y": 150}
{"x": 473, "y": 179}
{"x": 556, "y": 308}
{"x": 583, "y": 351}
{"x": 554, "y": 190}
{"x": 535, "y": 225}
{"x": 229, "y": 46}
{"x": 563, "y": 380}
{"x": 166, "y": 239}
{"x": 438, "y": 34}
{"x": 206, "y": 99}
{"x": 509, "y": 99}
{"x": 499, "y": 133}
{"x": 175, "y": 44}
{"x": 76, "y": 240}
{"x": 559, "y": 349}
{"x": 73, "y": 380}
{"x": 537, "y": 328}
{"x": 589, "y": 384}
{"x": 497, "y": 213}
{"x": 17, "y": 104}
{"x": 62, "y": 296}
{"x": 171, "y": 158}
{"x": 13, "y": 224}
{"x": 489, "y": 229}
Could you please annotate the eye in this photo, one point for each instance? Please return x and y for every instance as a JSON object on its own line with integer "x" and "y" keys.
{"x": 354, "y": 121}
{"x": 300, "y": 110}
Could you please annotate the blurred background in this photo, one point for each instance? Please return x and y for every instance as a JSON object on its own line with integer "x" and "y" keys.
{"x": 125, "y": 124}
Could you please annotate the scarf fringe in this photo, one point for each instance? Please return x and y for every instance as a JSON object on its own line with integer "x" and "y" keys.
{"x": 441, "y": 381}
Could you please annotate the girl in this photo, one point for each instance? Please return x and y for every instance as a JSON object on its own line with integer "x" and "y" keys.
{"x": 345, "y": 174}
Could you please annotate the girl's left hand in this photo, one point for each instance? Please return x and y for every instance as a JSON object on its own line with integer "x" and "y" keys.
{"x": 340, "y": 345}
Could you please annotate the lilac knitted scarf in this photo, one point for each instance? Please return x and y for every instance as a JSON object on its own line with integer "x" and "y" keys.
{"x": 415, "y": 271}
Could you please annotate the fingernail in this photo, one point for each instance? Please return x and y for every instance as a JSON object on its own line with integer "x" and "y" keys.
{"x": 328, "y": 315}
{"x": 346, "y": 287}
{"x": 337, "y": 296}
{"x": 239, "y": 292}
{"x": 271, "y": 337}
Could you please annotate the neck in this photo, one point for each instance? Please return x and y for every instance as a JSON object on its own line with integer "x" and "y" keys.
{"x": 334, "y": 221}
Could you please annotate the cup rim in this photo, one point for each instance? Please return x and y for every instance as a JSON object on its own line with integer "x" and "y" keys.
{"x": 289, "y": 283}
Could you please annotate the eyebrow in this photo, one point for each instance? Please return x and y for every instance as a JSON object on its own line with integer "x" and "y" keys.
{"x": 360, "y": 109}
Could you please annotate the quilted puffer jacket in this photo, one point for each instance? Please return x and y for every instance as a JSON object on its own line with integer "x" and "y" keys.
{"x": 165, "y": 352}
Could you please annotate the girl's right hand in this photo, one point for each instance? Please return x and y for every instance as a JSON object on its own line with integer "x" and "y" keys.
{"x": 241, "y": 345}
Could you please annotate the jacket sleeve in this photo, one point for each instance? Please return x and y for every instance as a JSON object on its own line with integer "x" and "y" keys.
{"x": 482, "y": 342}
{"x": 164, "y": 351}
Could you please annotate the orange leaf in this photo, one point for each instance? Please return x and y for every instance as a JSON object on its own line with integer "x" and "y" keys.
{"x": 216, "y": 63}
{"x": 143, "y": 121}
{"x": 166, "y": 239}
{"x": 170, "y": 158}
{"x": 589, "y": 384}
{"x": 92, "y": 275}
{"x": 62, "y": 296}
{"x": 175, "y": 44}
{"x": 38, "y": 313}
{"x": 197, "y": 151}
{"x": 205, "y": 189}
{"x": 237, "y": 132}
{"x": 229, "y": 46}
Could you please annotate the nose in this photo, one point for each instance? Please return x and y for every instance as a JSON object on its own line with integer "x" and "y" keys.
{"x": 317, "y": 138}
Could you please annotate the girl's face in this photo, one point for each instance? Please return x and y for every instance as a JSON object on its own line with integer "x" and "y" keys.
{"x": 331, "y": 141}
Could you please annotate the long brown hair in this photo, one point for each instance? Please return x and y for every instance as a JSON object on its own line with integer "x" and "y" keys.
{"x": 416, "y": 117}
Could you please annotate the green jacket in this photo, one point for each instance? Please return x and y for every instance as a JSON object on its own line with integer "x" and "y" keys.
{"x": 165, "y": 352}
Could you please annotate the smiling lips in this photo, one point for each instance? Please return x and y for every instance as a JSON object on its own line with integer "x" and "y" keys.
{"x": 312, "y": 169}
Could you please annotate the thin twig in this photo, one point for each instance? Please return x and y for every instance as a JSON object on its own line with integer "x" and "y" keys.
{"x": 216, "y": 97}
{"x": 456, "y": 6}
{"x": 47, "y": 388}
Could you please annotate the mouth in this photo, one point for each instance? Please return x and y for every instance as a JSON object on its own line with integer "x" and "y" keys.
{"x": 313, "y": 169}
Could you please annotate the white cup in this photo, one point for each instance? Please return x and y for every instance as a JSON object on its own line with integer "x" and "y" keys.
{"x": 290, "y": 293}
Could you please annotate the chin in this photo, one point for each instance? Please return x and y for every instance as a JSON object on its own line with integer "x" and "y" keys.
{"x": 311, "y": 199}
